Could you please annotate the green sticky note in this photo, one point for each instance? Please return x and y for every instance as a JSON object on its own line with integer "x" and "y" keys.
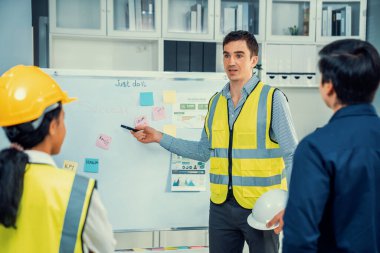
{"x": 146, "y": 98}
{"x": 91, "y": 165}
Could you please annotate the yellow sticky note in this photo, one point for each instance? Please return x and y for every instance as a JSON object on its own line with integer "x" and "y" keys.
{"x": 70, "y": 165}
{"x": 170, "y": 248}
{"x": 170, "y": 96}
{"x": 139, "y": 249}
{"x": 170, "y": 130}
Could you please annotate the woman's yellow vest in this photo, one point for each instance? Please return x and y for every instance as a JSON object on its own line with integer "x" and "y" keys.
{"x": 52, "y": 212}
{"x": 244, "y": 157}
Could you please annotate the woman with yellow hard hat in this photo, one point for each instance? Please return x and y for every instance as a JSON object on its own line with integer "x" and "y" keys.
{"x": 42, "y": 208}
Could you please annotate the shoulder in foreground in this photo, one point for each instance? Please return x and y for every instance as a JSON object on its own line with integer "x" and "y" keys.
{"x": 315, "y": 137}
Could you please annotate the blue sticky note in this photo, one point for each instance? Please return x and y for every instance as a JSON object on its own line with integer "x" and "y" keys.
{"x": 146, "y": 98}
{"x": 91, "y": 165}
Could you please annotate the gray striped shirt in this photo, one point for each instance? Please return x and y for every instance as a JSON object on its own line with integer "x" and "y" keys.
{"x": 282, "y": 129}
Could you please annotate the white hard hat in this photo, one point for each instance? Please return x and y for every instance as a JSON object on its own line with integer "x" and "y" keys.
{"x": 266, "y": 207}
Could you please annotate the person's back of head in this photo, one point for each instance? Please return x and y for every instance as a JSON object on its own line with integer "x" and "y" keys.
{"x": 248, "y": 37}
{"x": 29, "y": 100}
{"x": 353, "y": 68}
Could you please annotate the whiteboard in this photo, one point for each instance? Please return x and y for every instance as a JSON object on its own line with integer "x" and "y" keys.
{"x": 134, "y": 179}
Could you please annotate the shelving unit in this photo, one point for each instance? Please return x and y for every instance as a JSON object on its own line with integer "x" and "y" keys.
{"x": 130, "y": 34}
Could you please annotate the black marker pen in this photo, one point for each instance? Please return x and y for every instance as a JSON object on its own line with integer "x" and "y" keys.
{"x": 129, "y": 128}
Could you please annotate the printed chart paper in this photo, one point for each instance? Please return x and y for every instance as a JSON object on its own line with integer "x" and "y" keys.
{"x": 187, "y": 174}
{"x": 190, "y": 110}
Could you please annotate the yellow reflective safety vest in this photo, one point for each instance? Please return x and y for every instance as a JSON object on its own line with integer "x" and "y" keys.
{"x": 52, "y": 212}
{"x": 245, "y": 156}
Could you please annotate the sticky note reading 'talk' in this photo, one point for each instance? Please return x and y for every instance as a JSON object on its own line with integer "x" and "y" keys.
{"x": 70, "y": 165}
{"x": 103, "y": 141}
{"x": 158, "y": 113}
{"x": 170, "y": 130}
{"x": 91, "y": 165}
{"x": 170, "y": 96}
{"x": 146, "y": 98}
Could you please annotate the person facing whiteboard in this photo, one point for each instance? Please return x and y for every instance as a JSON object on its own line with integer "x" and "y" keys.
{"x": 249, "y": 138}
{"x": 43, "y": 209}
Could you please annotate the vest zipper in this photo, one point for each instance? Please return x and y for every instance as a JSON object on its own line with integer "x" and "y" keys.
{"x": 230, "y": 159}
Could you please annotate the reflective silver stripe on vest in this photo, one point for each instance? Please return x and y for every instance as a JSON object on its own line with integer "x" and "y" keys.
{"x": 246, "y": 181}
{"x": 262, "y": 117}
{"x": 73, "y": 214}
{"x": 211, "y": 116}
{"x": 248, "y": 153}
{"x": 283, "y": 173}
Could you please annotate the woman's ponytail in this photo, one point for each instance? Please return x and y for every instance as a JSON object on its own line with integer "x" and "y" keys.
{"x": 12, "y": 168}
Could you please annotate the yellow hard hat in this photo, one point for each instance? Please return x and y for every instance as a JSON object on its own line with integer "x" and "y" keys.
{"x": 25, "y": 93}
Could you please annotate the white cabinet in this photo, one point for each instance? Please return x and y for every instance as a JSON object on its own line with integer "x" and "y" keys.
{"x": 105, "y": 34}
{"x": 212, "y": 19}
{"x": 78, "y": 16}
{"x": 297, "y": 29}
{"x": 291, "y": 20}
{"x": 240, "y": 15}
{"x": 134, "y": 18}
{"x": 320, "y": 21}
{"x": 120, "y": 18}
{"x": 291, "y": 65}
{"x": 337, "y": 19}
{"x": 130, "y": 34}
{"x": 188, "y": 19}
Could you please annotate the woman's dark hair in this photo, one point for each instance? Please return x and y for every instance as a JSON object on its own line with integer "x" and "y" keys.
{"x": 353, "y": 67}
{"x": 248, "y": 37}
{"x": 13, "y": 162}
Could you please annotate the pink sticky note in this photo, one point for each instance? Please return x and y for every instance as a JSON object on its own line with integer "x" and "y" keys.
{"x": 103, "y": 141}
{"x": 158, "y": 113}
{"x": 141, "y": 121}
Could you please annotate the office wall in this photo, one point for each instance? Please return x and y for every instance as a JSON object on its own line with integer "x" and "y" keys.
{"x": 373, "y": 33}
{"x": 16, "y": 46}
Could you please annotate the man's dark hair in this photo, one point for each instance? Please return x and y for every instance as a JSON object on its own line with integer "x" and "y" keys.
{"x": 243, "y": 35}
{"x": 353, "y": 67}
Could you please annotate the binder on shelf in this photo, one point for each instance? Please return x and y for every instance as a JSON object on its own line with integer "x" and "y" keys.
{"x": 239, "y": 17}
{"x": 138, "y": 15}
{"x": 229, "y": 20}
{"x": 147, "y": 15}
{"x": 209, "y": 57}
{"x": 329, "y": 24}
{"x": 345, "y": 25}
{"x": 196, "y": 56}
{"x": 324, "y": 22}
{"x": 246, "y": 16}
{"x": 253, "y": 19}
{"x": 127, "y": 17}
{"x": 192, "y": 21}
{"x": 183, "y": 56}
{"x": 197, "y": 8}
{"x": 336, "y": 22}
{"x": 170, "y": 55}
{"x": 306, "y": 17}
{"x": 131, "y": 15}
